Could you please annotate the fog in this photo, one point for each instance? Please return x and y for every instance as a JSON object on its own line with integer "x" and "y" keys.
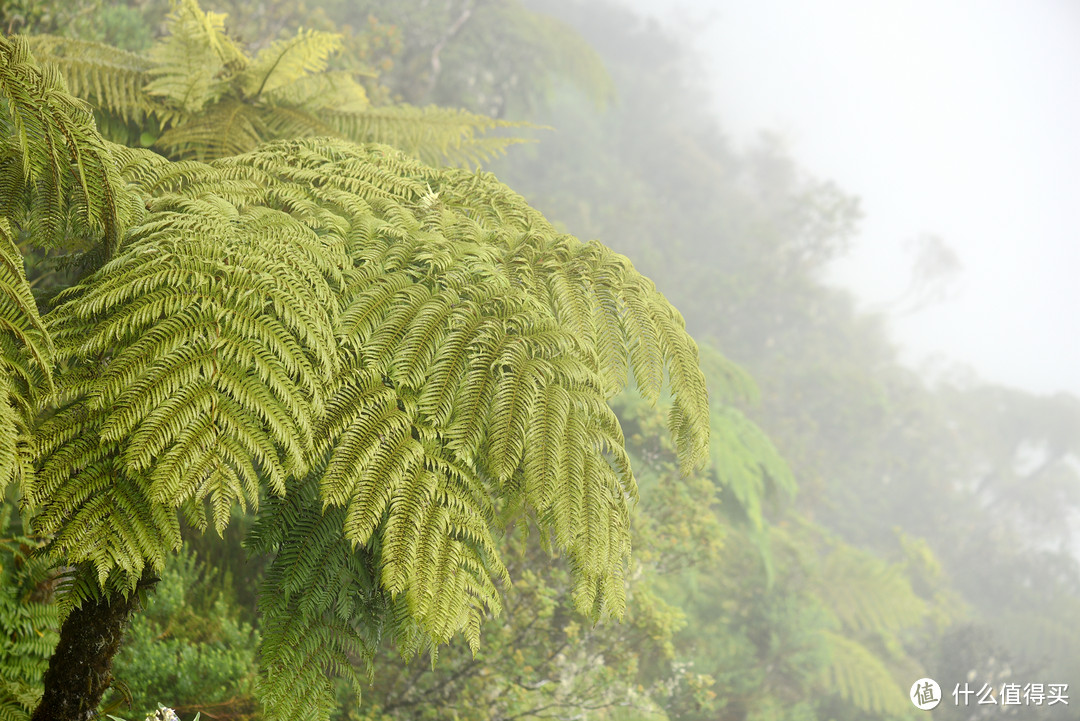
{"x": 952, "y": 119}
{"x": 585, "y": 360}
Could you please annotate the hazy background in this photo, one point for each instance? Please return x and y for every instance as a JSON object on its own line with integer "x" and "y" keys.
{"x": 952, "y": 120}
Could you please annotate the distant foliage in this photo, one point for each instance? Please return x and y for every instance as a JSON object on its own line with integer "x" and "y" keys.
{"x": 188, "y": 647}
{"x": 27, "y": 618}
{"x": 197, "y": 94}
{"x": 500, "y": 57}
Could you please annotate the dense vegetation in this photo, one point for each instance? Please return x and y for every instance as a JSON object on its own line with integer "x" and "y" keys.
{"x": 855, "y": 527}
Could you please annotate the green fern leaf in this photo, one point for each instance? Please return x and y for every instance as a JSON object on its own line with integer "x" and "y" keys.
{"x": 188, "y": 66}
{"x": 284, "y": 62}
{"x": 859, "y": 677}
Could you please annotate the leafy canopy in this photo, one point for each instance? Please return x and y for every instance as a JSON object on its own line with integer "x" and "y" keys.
{"x": 403, "y": 358}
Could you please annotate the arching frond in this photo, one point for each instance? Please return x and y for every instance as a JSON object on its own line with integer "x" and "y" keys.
{"x": 307, "y": 95}
{"x": 25, "y": 345}
{"x": 57, "y": 180}
{"x": 110, "y": 79}
{"x": 287, "y": 61}
{"x": 747, "y": 465}
{"x": 434, "y": 134}
{"x": 629, "y": 324}
{"x": 95, "y": 512}
{"x": 860, "y": 678}
{"x": 214, "y": 332}
{"x": 867, "y": 594}
{"x": 54, "y": 167}
{"x": 321, "y": 606}
{"x": 616, "y": 313}
{"x": 228, "y": 127}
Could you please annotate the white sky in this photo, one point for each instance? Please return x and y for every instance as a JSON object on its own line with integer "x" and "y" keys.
{"x": 957, "y": 118}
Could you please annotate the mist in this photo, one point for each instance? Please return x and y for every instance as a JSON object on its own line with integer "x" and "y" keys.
{"x": 498, "y": 360}
{"x": 954, "y": 121}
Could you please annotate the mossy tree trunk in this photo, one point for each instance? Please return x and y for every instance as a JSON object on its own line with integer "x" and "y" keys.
{"x": 80, "y": 670}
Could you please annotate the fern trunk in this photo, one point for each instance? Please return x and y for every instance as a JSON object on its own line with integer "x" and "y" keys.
{"x": 80, "y": 670}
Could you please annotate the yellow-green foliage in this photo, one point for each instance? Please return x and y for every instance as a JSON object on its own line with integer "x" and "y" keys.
{"x": 871, "y": 610}
{"x": 211, "y": 100}
{"x": 55, "y": 170}
{"x": 860, "y": 677}
{"x": 57, "y": 184}
{"x": 416, "y": 342}
{"x": 747, "y": 465}
{"x": 390, "y": 351}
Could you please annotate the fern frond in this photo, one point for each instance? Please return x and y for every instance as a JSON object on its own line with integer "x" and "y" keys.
{"x": 335, "y": 89}
{"x": 747, "y": 464}
{"x": 435, "y": 135}
{"x": 287, "y": 61}
{"x": 19, "y": 319}
{"x": 228, "y": 127}
{"x": 189, "y": 67}
{"x": 94, "y": 512}
{"x": 54, "y": 163}
{"x": 594, "y": 292}
{"x": 649, "y": 335}
{"x": 16, "y": 457}
{"x": 110, "y": 79}
{"x": 869, "y": 595}
{"x": 860, "y": 678}
{"x": 217, "y": 323}
{"x": 318, "y": 600}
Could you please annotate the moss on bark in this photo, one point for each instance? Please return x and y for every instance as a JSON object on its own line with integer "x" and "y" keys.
{"x": 80, "y": 670}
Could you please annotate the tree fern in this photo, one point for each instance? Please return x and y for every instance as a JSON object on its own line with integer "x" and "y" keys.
{"x": 346, "y": 315}
{"x": 393, "y": 352}
{"x": 871, "y": 610}
{"x": 211, "y": 100}
{"x": 189, "y": 66}
{"x": 869, "y": 595}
